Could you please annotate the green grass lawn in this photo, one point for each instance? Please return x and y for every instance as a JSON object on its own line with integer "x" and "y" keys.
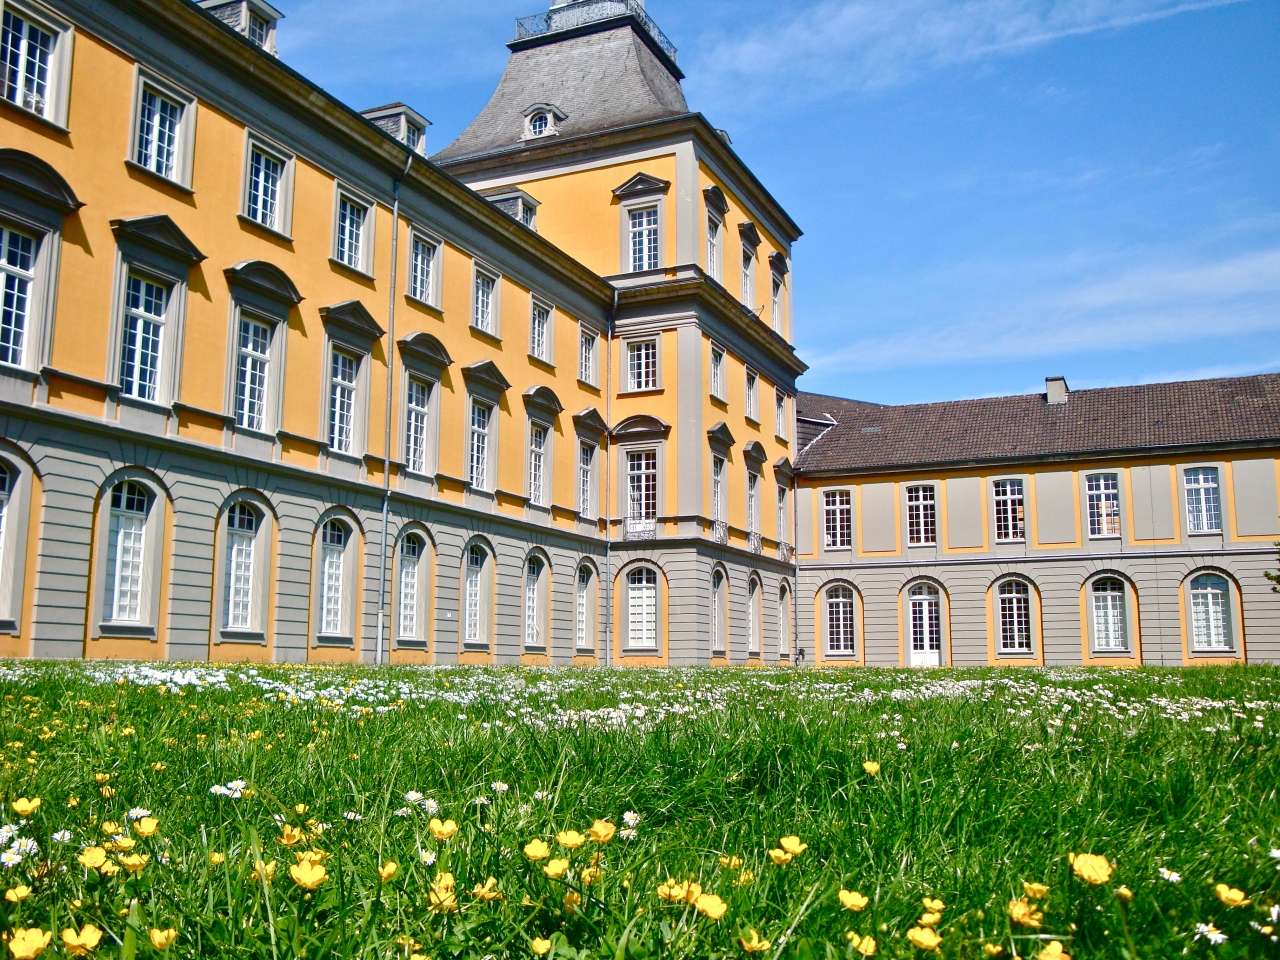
{"x": 186, "y": 798}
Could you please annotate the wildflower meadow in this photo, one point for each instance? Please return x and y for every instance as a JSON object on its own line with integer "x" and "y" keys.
{"x": 282, "y": 812}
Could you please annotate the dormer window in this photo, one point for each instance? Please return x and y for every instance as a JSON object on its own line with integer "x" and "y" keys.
{"x": 402, "y": 122}
{"x": 539, "y": 124}
{"x": 258, "y": 30}
{"x": 255, "y": 19}
{"x": 540, "y": 120}
{"x": 514, "y": 203}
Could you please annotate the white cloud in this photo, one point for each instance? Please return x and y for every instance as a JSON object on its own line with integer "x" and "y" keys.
{"x": 837, "y": 46}
{"x": 1147, "y": 306}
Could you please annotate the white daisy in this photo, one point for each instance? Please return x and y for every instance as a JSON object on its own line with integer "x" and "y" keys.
{"x": 403, "y": 812}
{"x": 413, "y": 796}
{"x": 1211, "y": 933}
{"x": 499, "y": 787}
{"x": 1170, "y": 875}
{"x": 62, "y": 836}
{"x": 352, "y": 816}
{"x": 428, "y": 857}
{"x": 137, "y": 813}
{"x": 9, "y": 859}
{"x": 631, "y": 819}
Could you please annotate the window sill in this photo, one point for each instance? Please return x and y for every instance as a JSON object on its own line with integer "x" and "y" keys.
{"x": 1021, "y": 541}
{"x": 32, "y": 115}
{"x": 129, "y": 400}
{"x": 1105, "y": 536}
{"x": 110, "y": 629}
{"x": 545, "y": 364}
{"x": 928, "y": 545}
{"x": 751, "y": 420}
{"x": 841, "y": 655}
{"x": 257, "y": 637}
{"x": 180, "y": 407}
{"x": 347, "y": 268}
{"x": 1212, "y": 652}
{"x": 487, "y": 334}
{"x": 248, "y": 221}
{"x": 325, "y": 640}
{"x": 21, "y": 373}
{"x": 161, "y": 178}
{"x": 408, "y": 643}
{"x": 9, "y": 626}
{"x": 1015, "y": 655}
{"x": 541, "y": 649}
{"x": 721, "y": 402}
{"x": 781, "y": 438}
{"x": 1112, "y": 653}
{"x": 265, "y": 436}
{"x": 648, "y": 392}
{"x": 1204, "y": 533}
{"x": 588, "y": 385}
{"x": 425, "y": 305}
{"x": 352, "y": 458}
{"x": 475, "y": 646}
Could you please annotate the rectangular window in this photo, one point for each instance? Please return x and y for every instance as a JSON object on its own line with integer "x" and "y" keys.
{"x": 922, "y": 516}
{"x": 581, "y": 613}
{"x": 351, "y": 218}
{"x": 753, "y": 396}
{"x": 780, "y": 418}
{"x": 837, "y": 517}
{"x": 1108, "y": 614}
{"x": 471, "y": 598}
{"x": 417, "y": 399}
{"x": 717, "y": 489}
{"x": 775, "y": 303}
{"x": 753, "y": 502}
{"x": 783, "y": 525}
{"x": 482, "y": 308}
{"x": 266, "y": 173}
{"x": 159, "y": 123}
{"x": 1104, "y": 505}
{"x": 410, "y": 556}
{"x": 331, "y": 560}
{"x": 251, "y": 374}
{"x": 1015, "y": 617}
{"x": 17, "y": 269}
{"x": 1204, "y": 512}
{"x": 717, "y": 373}
{"x": 240, "y": 579}
{"x": 26, "y": 54}
{"x": 748, "y": 278}
{"x": 421, "y": 267}
{"x": 126, "y": 552}
{"x": 840, "y": 621}
{"x": 1210, "y": 630}
{"x": 642, "y": 365}
{"x": 478, "y": 460}
{"x": 1011, "y": 518}
{"x": 342, "y": 401}
{"x": 713, "y": 248}
{"x": 258, "y": 30}
{"x": 540, "y": 333}
{"x": 144, "y": 313}
{"x": 532, "y": 583}
{"x": 587, "y": 358}
{"x": 537, "y": 463}
{"x": 642, "y": 609}
{"x": 644, "y": 239}
{"x": 642, "y": 484}
{"x": 586, "y": 465}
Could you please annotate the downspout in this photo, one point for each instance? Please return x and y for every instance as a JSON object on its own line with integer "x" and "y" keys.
{"x": 386, "y": 462}
{"x": 608, "y": 482}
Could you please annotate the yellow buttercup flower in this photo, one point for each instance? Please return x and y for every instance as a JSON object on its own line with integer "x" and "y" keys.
{"x": 1231, "y": 896}
{"x": 101, "y": 777}
{"x": 147, "y": 826}
{"x": 540, "y": 947}
{"x": 924, "y": 938}
{"x": 109, "y": 869}
{"x": 745, "y": 877}
{"x": 122, "y": 845}
{"x": 589, "y": 876}
{"x": 752, "y": 943}
{"x": 300, "y": 809}
{"x": 159, "y": 765}
{"x": 781, "y": 857}
{"x": 1025, "y": 914}
{"x": 570, "y": 839}
{"x": 933, "y": 906}
{"x": 602, "y": 831}
{"x": 871, "y": 767}
{"x": 557, "y": 868}
{"x": 388, "y": 870}
{"x": 216, "y": 858}
{"x": 731, "y": 863}
{"x": 853, "y": 900}
{"x": 992, "y": 949}
{"x": 83, "y": 943}
{"x": 134, "y": 862}
{"x": 864, "y": 946}
{"x": 310, "y": 856}
{"x": 537, "y": 850}
{"x": 264, "y": 870}
{"x": 29, "y": 942}
{"x": 710, "y": 906}
{"x": 17, "y": 894}
{"x": 289, "y": 835}
{"x": 92, "y": 857}
{"x": 1091, "y": 868}
{"x": 308, "y": 875}
{"x": 1124, "y": 894}
{"x": 572, "y": 901}
{"x": 24, "y": 807}
{"x": 442, "y": 831}
{"x": 442, "y": 897}
{"x": 163, "y": 939}
{"x": 487, "y": 892}
{"x": 1054, "y": 951}
{"x": 111, "y": 828}
{"x": 793, "y": 845}
{"x": 1036, "y": 891}
{"x": 929, "y": 919}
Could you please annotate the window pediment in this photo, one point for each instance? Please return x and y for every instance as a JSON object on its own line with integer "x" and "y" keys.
{"x": 716, "y": 201}
{"x": 778, "y": 263}
{"x": 543, "y": 399}
{"x": 266, "y": 280}
{"x": 159, "y": 234}
{"x": 721, "y": 436}
{"x": 783, "y": 468}
{"x": 486, "y": 374}
{"x": 426, "y": 349}
{"x": 754, "y": 452}
{"x": 750, "y": 233}
{"x": 641, "y": 427}
{"x": 642, "y": 185}
{"x": 354, "y": 318}
{"x": 35, "y": 179}
{"x": 590, "y": 423}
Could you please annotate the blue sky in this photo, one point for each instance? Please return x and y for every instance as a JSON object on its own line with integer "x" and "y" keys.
{"x": 992, "y": 191}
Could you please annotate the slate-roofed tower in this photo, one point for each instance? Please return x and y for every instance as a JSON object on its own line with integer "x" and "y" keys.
{"x": 587, "y": 67}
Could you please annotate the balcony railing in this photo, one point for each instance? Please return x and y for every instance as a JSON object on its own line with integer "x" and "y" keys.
{"x": 720, "y": 532}
{"x": 641, "y": 528}
{"x": 784, "y": 552}
{"x": 754, "y": 543}
{"x": 591, "y": 11}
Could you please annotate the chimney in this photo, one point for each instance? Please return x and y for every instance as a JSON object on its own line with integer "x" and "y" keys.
{"x": 1055, "y": 389}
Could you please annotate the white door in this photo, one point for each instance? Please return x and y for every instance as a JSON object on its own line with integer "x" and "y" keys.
{"x": 925, "y": 626}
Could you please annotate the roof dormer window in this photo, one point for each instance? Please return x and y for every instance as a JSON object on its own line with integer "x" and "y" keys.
{"x": 541, "y": 120}
{"x": 254, "y": 19}
{"x": 402, "y": 122}
{"x": 259, "y": 29}
{"x": 539, "y": 124}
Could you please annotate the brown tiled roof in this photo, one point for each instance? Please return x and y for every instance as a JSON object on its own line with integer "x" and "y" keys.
{"x": 1105, "y": 421}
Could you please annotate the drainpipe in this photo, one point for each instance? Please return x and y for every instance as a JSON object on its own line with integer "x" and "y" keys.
{"x": 608, "y": 482}
{"x": 391, "y": 346}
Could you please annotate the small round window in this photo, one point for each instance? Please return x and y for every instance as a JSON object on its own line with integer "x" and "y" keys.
{"x": 538, "y": 124}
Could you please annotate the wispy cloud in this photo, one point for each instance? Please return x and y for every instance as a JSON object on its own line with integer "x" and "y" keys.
{"x": 838, "y": 46}
{"x": 1148, "y": 306}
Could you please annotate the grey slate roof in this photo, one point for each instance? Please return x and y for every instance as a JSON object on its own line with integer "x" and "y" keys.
{"x": 1109, "y": 420}
{"x": 601, "y": 81}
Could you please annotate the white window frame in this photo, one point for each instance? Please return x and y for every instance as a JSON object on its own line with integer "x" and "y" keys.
{"x": 784, "y": 619}
{"x": 584, "y": 612}
{"x": 418, "y": 395}
{"x": 486, "y": 312}
{"x": 719, "y": 612}
{"x": 127, "y": 584}
{"x": 1209, "y": 613}
{"x": 840, "y": 620}
{"x": 183, "y": 147}
{"x": 784, "y": 525}
{"x": 719, "y": 511}
{"x": 539, "y": 463}
{"x": 643, "y": 609}
{"x": 479, "y": 435}
{"x": 586, "y": 477}
{"x": 106, "y": 558}
{"x": 651, "y": 364}
{"x": 412, "y": 579}
{"x": 1015, "y": 617}
{"x": 1010, "y": 511}
{"x": 776, "y": 291}
{"x": 253, "y": 384}
{"x": 1203, "y": 498}
{"x": 648, "y": 233}
{"x": 334, "y": 538}
{"x": 753, "y": 501}
{"x": 837, "y": 519}
{"x": 18, "y": 283}
{"x": 781, "y": 414}
{"x": 1108, "y": 615}
{"x": 340, "y": 390}
{"x": 715, "y": 248}
{"x": 246, "y": 554}
{"x": 536, "y": 573}
{"x": 924, "y": 619}
{"x": 717, "y": 374}
{"x": 588, "y": 348}
{"x": 359, "y": 259}
{"x": 749, "y": 257}
{"x": 282, "y": 223}
{"x": 752, "y": 394}
{"x": 58, "y": 67}
{"x": 476, "y": 595}
{"x": 1102, "y": 497}
{"x": 922, "y": 515}
{"x": 542, "y": 331}
{"x": 426, "y": 261}
{"x": 643, "y": 484}
{"x": 138, "y": 321}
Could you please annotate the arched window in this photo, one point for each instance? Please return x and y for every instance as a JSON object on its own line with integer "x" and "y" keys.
{"x": 475, "y": 630}
{"x": 535, "y": 592}
{"x": 538, "y": 124}
{"x": 1015, "y": 617}
{"x": 753, "y": 617}
{"x": 411, "y": 606}
{"x": 6, "y": 487}
{"x": 242, "y": 528}
{"x": 784, "y": 621}
{"x": 925, "y": 607}
{"x": 719, "y": 618}
{"x": 1210, "y": 613}
{"x": 127, "y": 552}
{"x": 840, "y": 620}
{"x": 584, "y": 610}
{"x": 333, "y": 576}
{"x": 642, "y": 609}
{"x": 1109, "y": 631}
